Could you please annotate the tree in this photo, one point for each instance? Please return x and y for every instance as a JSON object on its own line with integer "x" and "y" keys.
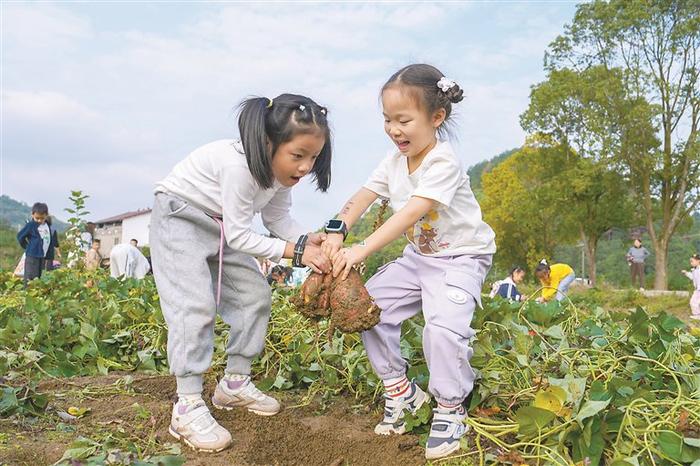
{"x": 576, "y": 112}
{"x": 521, "y": 204}
{"x": 655, "y": 44}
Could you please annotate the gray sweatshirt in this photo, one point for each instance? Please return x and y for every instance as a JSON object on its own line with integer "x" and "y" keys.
{"x": 638, "y": 255}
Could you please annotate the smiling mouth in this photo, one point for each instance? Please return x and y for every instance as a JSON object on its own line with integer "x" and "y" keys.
{"x": 402, "y": 144}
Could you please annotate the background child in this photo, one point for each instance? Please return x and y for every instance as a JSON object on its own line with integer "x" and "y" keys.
{"x": 203, "y": 251}
{"x": 35, "y": 239}
{"x": 695, "y": 277}
{"x": 636, "y": 256}
{"x": 53, "y": 250}
{"x": 508, "y": 287}
{"x": 126, "y": 260}
{"x": 93, "y": 258}
{"x": 441, "y": 270}
{"x": 555, "y": 278}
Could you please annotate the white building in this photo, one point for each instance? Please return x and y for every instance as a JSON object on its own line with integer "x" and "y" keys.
{"x": 122, "y": 228}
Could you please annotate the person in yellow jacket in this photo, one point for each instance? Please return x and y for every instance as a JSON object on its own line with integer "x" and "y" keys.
{"x": 555, "y": 278}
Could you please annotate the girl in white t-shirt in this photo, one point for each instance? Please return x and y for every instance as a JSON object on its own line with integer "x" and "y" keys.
{"x": 442, "y": 268}
{"x": 203, "y": 250}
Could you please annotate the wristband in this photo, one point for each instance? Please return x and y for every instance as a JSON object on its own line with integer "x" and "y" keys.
{"x": 299, "y": 251}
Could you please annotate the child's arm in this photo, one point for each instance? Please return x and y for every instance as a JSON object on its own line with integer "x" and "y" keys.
{"x": 351, "y": 211}
{"x": 23, "y": 235}
{"x": 392, "y": 229}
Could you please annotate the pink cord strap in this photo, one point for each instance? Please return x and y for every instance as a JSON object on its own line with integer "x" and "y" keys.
{"x": 221, "y": 258}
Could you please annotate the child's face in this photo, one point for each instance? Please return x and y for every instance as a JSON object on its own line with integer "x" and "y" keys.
{"x": 543, "y": 275}
{"x": 408, "y": 125}
{"x": 519, "y": 276}
{"x": 694, "y": 262}
{"x": 296, "y": 158}
{"x": 39, "y": 218}
{"x": 637, "y": 243}
{"x": 95, "y": 246}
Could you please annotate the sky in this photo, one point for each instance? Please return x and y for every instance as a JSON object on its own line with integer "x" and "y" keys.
{"x": 106, "y": 97}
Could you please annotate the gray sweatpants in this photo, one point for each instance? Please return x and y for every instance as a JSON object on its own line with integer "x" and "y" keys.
{"x": 185, "y": 254}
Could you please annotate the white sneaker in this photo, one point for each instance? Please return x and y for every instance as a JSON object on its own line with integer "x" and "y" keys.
{"x": 394, "y": 410}
{"x": 193, "y": 424}
{"x": 230, "y": 394}
{"x": 447, "y": 429}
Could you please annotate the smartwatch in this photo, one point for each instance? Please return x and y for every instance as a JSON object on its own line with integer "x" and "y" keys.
{"x": 336, "y": 226}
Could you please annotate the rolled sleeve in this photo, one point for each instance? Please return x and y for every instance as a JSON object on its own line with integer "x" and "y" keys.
{"x": 440, "y": 181}
{"x": 378, "y": 181}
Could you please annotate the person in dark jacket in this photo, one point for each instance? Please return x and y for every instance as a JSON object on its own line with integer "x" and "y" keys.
{"x": 508, "y": 287}
{"x": 35, "y": 239}
{"x": 54, "y": 250}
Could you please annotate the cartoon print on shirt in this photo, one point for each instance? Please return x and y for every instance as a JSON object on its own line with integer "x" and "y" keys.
{"x": 424, "y": 235}
{"x": 426, "y": 239}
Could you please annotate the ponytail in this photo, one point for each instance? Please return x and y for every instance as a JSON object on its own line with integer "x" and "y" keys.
{"x": 264, "y": 124}
{"x": 543, "y": 266}
{"x": 256, "y": 145}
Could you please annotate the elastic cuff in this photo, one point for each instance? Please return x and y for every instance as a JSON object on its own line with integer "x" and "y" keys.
{"x": 238, "y": 365}
{"x": 392, "y": 375}
{"x": 190, "y": 384}
{"x": 450, "y": 402}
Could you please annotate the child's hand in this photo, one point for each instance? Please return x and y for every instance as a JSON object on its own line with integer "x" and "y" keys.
{"x": 314, "y": 258}
{"x": 332, "y": 244}
{"x": 317, "y": 239}
{"x": 346, "y": 258}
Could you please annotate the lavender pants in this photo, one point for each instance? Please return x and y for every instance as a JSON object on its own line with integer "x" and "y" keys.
{"x": 448, "y": 290}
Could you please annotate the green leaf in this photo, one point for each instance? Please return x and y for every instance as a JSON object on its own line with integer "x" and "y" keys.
{"x": 673, "y": 446}
{"x": 532, "y": 420}
{"x": 591, "y": 408}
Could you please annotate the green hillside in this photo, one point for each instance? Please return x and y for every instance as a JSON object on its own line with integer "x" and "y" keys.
{"x": 14, "y": 214}
{"x": 475, "y": 172}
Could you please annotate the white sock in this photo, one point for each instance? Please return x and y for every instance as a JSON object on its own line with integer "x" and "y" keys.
{"x": 396, "y": 387}
{"x": 189, "y": 398}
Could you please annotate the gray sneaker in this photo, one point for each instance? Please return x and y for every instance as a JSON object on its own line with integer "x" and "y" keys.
{"x": 394, "y": 410}
{"x": 194, "y": 425}
{"x": 231, "y": 394}
{"x": 447, "y": 428}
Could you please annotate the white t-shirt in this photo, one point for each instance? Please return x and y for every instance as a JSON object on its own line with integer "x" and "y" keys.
{"x": 455, "y": 225}
{"x": 45, "y": 234}
{"x": 127, "y": 260}
{"x": 215, "y": 178}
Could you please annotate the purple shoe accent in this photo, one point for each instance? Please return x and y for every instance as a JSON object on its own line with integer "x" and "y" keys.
{"x": 236, "y": 384}
{"x": 181, "y": 408}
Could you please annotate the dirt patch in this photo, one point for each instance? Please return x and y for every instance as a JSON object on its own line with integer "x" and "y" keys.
{"x": 338, "y": 435}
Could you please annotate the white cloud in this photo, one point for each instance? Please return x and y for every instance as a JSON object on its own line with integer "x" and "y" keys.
{"x": 44, "y": 106}
{"x": 118, "y": 106}
{"x": 42, "y": 26}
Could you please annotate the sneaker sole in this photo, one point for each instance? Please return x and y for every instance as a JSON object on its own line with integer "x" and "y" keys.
{"x": 435, "y": 454}
{"x": 254, "y": 411}
{"x": 193, "y": 446}
{"x": 402, "y": 428}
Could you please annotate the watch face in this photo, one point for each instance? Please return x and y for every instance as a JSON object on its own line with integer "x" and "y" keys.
{"x": 335, "y": 224}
